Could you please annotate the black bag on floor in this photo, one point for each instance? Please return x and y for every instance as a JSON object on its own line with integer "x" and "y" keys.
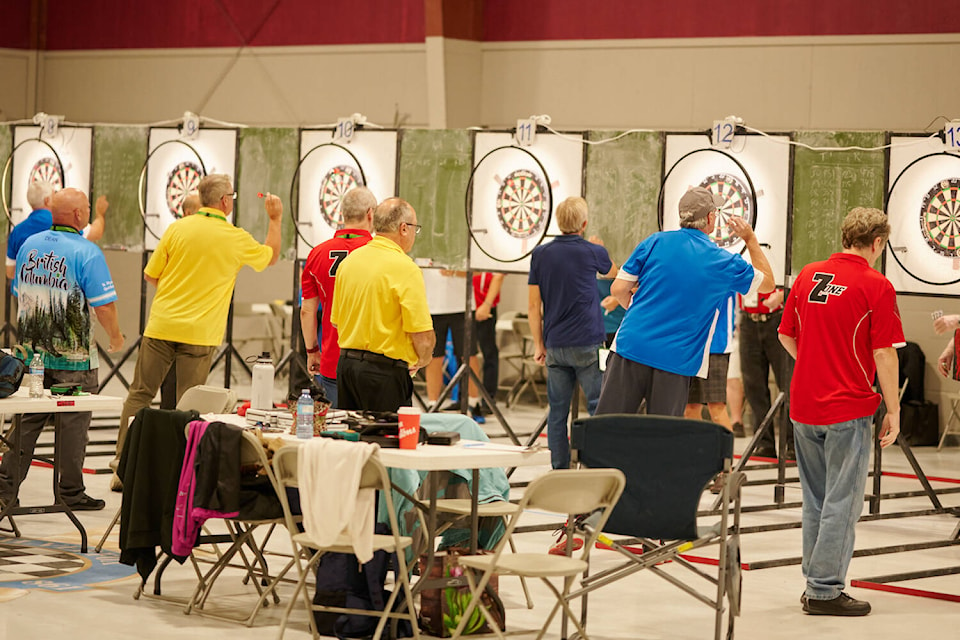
{"x": 920, "y": 423}
{"x": 343, "y": 582}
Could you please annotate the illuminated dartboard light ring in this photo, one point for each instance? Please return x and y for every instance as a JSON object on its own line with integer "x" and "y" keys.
{"x": 334, "y": 186}
{"x": 47, "y": 170}
{"x": 182, "y": 181}
{"x": 523, "y": 203}
{"x": 940, "y": 217}
{"x": 737, "y": 204}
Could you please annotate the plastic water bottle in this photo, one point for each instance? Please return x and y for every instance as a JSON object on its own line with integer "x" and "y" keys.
{"x": 305, "y": 415}
{"x": 36, "y": 376}
{"x": 261, "y": 394}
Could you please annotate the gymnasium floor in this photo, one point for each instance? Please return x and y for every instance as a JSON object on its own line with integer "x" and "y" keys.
{"x": 96, "y": 602}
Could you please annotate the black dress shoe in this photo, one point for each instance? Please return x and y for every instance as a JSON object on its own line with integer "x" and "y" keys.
{"x": 86, "y": 503}
{"x": 765, "y": 452}
{"x": 738, "y": 431}
{"x": 842, "y": 605}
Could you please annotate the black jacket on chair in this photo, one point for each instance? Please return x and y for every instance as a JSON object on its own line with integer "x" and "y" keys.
{"x": 150, "y": 470}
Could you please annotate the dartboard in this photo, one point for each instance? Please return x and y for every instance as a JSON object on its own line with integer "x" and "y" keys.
{"x": 47, "y": 170}
{"x": 335, "y": 185}
{"x": 522, "y": 203}
{"x": 940, "y": 217}
{"x": 183, "y": 180}
{"x": 737, "y": 203}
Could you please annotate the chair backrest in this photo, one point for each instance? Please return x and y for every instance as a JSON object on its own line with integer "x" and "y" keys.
{"x": 373, "y": 476}
{"x": 571, "y": 492}
{"x": 574, "y": 491}
{"x": 208, "y": 399}
{"x": 667, "y": 463}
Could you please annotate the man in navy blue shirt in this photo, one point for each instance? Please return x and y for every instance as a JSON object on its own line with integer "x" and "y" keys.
{"x": 680, "y": 278}
{"x": 565, "y": 320}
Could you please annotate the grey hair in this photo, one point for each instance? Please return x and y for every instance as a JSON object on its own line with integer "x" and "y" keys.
{"x": 390, "y": 213}
{"x": 213, "y": 187}
{"x": 687, "y": 221}
{"x": 38, "y": 192}
{"x": 355, "y": 204}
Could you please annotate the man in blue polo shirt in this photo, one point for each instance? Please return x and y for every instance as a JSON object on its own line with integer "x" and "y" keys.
{"x": 565, "y": 320}
{"x": 680, "y": 278}
{"x": 40, "y": 219}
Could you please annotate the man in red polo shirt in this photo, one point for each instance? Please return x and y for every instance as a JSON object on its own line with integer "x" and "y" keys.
{"x": 842, "y": 325}
{"x": 319, "y": 276}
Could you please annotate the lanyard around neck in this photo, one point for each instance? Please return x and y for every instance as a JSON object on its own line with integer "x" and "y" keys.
{"x": 63, "y": 227}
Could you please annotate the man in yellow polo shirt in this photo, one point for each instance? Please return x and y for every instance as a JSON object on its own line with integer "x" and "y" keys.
{"x": 194, "y": 268}
{"x": 380, "y": 311}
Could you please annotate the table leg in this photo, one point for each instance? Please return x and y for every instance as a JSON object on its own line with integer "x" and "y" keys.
{"x": 15, "y": 448}
{"x": 474, "y": 517}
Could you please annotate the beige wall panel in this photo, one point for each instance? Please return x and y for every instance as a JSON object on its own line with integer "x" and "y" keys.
{"x": 893, "y": 87}
{"x": 14, "y": 84}
{"x": 463, "y": 68}
{"x": 274, "y": 86}
{"x": 832, "y": 83}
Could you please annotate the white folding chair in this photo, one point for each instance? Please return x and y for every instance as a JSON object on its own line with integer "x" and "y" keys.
{"x": 569, "y": 491}
{"x": 374, "y": 476}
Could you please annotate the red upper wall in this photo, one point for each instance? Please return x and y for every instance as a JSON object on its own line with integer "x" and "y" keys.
{"x": 506, "y": 20}
{"x": 118, "y": 24}
{"x": 114, "y": 24}
{"x": 15, "y": 33}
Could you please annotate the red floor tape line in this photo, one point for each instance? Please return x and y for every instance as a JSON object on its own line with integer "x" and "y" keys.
{"x": 920, "y": 593}
{"x": 910, "y": 476}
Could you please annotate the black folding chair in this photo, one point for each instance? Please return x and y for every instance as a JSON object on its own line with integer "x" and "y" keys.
{"x": 668, "y": 463}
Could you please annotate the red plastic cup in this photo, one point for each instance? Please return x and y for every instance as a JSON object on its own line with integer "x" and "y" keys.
{"x": 409, "y": 427}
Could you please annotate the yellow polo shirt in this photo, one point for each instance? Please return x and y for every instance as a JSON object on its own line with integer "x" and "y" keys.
{"x": 378, "y": 299}
{"x": 196, "y": 265}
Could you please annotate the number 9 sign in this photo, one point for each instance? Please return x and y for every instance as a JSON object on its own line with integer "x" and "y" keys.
{"x": 191, "y": 126}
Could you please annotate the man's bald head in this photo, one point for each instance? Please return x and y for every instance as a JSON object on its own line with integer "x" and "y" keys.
{"x": 190, "y": 205}
{"x": 70, "y": 207}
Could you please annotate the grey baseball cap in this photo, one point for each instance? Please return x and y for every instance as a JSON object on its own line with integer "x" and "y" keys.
{"x": 698, "y": 203}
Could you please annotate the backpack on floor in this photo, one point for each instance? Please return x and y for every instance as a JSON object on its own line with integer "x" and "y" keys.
{"x": 343, "y": 582}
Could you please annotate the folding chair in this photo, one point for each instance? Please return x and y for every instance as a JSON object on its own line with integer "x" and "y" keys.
{"x": 569, "y": 491}
{"x": 241, "y": 532}
{"x": 373, "y": 476}
{"x": 202, "y": 399}
{"x": 668, "y": 463}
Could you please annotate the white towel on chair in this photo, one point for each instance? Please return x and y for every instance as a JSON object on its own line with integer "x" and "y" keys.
{"x": 329, "y": 477}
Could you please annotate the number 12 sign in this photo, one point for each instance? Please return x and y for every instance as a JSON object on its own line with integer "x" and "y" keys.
{"x": 723, "y": 132}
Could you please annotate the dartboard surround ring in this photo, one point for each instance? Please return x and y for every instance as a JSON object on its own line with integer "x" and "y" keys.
{"x": 940, "y": 217}
{"x": 334, "y": 186}
{"x": 181, "y": 181}
{"x": 47, "y": 170}
{"x": 523, "y": 203}
{"x": 737, "y": 203}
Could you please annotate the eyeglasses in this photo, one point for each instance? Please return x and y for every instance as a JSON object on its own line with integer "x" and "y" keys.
{"x": 232, "y": 196}
{"x": 417, "y": 227}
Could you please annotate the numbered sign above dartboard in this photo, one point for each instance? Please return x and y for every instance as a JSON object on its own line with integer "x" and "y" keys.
{"x": 513, "y": 192}
{"x": 331, "y": 163}
{"x": 923, "y": 206}
{"x": 176, "y": 162}
{"x": 752, "y": 176}
{"x": 63, "y": 159}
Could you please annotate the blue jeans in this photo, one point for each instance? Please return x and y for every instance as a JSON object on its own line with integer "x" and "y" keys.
{"x": 329, "y": 386}
{"x": 833, "y": 461}
{"x": 565, "y": 367}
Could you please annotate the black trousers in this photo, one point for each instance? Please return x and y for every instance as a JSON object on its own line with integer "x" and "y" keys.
{"x": 487, "y": 338}
{"x": 372, "y": 385}
{"x": 760, "y": 349}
